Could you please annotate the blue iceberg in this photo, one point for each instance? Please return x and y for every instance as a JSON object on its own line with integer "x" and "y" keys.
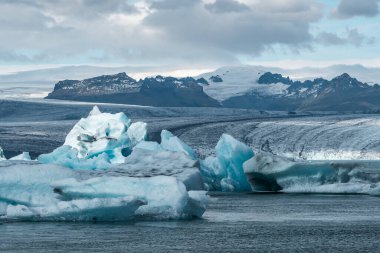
{"x": 225, "y": 171}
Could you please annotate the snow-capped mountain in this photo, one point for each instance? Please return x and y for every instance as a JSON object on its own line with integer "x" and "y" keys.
{"x": 120, "y": 88}
{"x": 265, "y": 88}
{"x": 342, "y": 93}
{"x": 228, "y": 82}
{"x": 250, "y": 87}
{"x": 106, "y": 84}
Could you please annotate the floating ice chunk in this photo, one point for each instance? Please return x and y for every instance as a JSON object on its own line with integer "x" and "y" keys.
{"x": 68, "y": 157}
{"x": 33, "y": 191}
{"x": 225, "y": 171}
{"x": 97, "y": 209}
{"x": 28, "y": 183}
{"x": 24, "y": 156}
{"x": 2, "y": 157}
{"x": 173, "y": 143}
{"x": 267, "y": 172}
{"x": 198, "y": 202}
{"x": 166, "y": 197}
{"x": 95, "y": 111}
{"x": 99, "y": 132}
{"x": 149, "y": 163}
{"x": 137, "y": 132}
{"x": 149, "y": 145}
{"x": 98, "y": 141}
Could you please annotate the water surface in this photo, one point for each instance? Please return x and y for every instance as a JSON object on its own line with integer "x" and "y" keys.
{"x": 233, "y": 222}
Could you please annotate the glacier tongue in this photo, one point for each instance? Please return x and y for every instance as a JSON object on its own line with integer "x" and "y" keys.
{"x": 267, "y": 172}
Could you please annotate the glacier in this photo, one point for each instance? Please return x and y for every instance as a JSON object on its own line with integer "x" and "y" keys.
{"x": 225, "y": 171}
{"x": 268, "y": 172}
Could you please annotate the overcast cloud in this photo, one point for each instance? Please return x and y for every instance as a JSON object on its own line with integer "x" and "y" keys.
{"x": 160, "y": 32}
{"x": 353, "y": 8}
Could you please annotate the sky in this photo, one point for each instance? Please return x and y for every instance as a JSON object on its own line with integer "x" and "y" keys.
{"x": 198, "y": 34}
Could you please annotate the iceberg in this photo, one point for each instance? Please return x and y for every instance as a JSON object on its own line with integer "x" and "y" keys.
{"x": 24, "y": 156}
{"x": 149, "y": 163}
{"x": 34, "y": 191}
{"x": 166, "y": 197}
{"x": 173, "y": 143}
{"x": 225, "y": 171}
{"x": 105, "y": 171}
{"x": 28, "y": 183}
{"x": 97, "y": 209}
{"x": 68, "y": 157}
{"x": 2, "y": 157}
{"x": 98, "y": 141}
{"x": 267, "y": 172}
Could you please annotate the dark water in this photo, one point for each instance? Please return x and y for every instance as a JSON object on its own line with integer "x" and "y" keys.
{"x": 238, "y": 222}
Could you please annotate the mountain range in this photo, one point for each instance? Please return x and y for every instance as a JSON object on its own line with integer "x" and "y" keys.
{"x": 122, "y": 89}
{"x": 253, "y": 88}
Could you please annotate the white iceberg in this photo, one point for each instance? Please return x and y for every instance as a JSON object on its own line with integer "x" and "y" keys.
{"x": 267, "y": 172}
{"x": 105, "y": 171}
{"x": 33, "y": 191}
{"x": 173, "y": 143}
{"x": 96, "y": 209}
{"x": 166, "y": 197}
{"x": 24, "y": 156}
{"x": 28, "y": 183}
{"x": 148, "y": 163}
{"x": 225, "y": 171}
{"x": 98, "y": 141}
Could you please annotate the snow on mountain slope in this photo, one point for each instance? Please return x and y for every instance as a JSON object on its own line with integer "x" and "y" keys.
{"x": 227, "y": 82}
{"x": 239, "y": 80}
{"x": 364, "y": 74}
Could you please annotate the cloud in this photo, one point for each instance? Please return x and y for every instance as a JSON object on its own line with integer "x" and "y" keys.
{"x": 152, "y": 32}
{"x": 222, "y": 6}
{"x": 352, "y": 8}
{"x": 352, "y": 37}
{"x": 173, "y": 4}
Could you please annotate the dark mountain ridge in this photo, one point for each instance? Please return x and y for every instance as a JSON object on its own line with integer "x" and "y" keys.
{"x": 342, "y": 93}
{"x": 120, "y": 88}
